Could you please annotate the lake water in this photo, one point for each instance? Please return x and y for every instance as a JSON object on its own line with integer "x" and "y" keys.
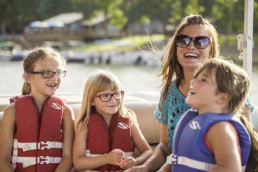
{"x": 133, "y": 78}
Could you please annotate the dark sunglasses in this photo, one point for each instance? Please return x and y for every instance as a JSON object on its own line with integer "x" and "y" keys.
{"x": 50, "y": 74}
{"x": 199, "y": 42}
{"x": 118, "y": 95}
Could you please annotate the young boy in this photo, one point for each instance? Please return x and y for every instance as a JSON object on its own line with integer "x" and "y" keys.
{"x": 213, "y": 139}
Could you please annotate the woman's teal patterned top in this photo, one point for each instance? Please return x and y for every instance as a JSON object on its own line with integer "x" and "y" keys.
{"x": 172, "y": 109}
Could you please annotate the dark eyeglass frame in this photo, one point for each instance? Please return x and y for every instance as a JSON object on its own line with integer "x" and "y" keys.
{"x": 111, "y": 95}
{"x": 44, "y": 74}
{"x": 194, "y": 39}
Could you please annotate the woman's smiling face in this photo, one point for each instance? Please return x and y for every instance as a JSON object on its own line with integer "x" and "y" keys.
{"x": 191, "y": 57}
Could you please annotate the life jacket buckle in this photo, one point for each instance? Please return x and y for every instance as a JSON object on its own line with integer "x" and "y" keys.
{"x": 43, "y": 160}
{"x": 44, "y": 145}
{"x": 174, "y": 159}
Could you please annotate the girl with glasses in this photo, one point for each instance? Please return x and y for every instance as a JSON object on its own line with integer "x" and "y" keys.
{"x": 37, "y": 128}
{"x": 195, "y": 40}
{"x": 107, "y": 132}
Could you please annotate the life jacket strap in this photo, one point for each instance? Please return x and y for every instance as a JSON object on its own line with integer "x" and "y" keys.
{"x": 126, "y": 154}
{"x": 39, "y": 145}
{"x": 28, "y": 161}
{"x": 181, "y": 160}
{"x": 169, "y": 159}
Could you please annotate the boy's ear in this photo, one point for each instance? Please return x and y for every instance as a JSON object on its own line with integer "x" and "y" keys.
{"x": 223, "y": 98}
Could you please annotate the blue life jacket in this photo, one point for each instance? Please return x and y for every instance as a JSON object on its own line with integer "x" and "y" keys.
{"x": 189, "y": 150}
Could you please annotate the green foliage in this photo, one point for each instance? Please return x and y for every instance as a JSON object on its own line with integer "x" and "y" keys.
{"x": 175, "y": 12}
{"x": 228, "y": 45}
{"x": 50, "y": 8}
{"x": 227, "y": 15}
{"x": 16, "y": 14}
{"x": 134, "y": 43}
{"x": 117, "y": 14}
{"x": 85, "y": 7}
{"x": 193, "y": 8}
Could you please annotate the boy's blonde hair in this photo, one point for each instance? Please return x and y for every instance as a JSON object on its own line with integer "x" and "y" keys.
{"x": 230, "y": 79}
{"x": 31, "y": 58}
{"x": 99, "y": 82}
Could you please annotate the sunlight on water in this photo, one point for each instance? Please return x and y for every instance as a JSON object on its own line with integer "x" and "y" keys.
{"x": 133, "y": 78}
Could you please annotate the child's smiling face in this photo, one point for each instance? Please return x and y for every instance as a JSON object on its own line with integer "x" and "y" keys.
{"x": 45, "y": 86}
{"x": 108, "y": 107}
{"x": 203, "y": 94}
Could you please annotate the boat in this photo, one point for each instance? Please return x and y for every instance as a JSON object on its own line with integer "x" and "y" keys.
{"x": 144, "y": 104}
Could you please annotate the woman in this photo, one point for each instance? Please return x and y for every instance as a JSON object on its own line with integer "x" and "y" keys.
{"x": 194, "y": 41}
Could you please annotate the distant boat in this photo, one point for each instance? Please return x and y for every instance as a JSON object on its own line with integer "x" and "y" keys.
{"x": 19, "y": 55}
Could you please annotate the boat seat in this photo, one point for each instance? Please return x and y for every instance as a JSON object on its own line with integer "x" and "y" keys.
{"x": 1, "y": 117}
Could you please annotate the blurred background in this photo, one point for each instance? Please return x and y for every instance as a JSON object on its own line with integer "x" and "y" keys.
{"x": 116, "y": 35}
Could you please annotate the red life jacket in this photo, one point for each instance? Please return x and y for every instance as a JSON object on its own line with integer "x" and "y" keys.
{"x": 103, "y": 139}
{"x": 38, "y": 137}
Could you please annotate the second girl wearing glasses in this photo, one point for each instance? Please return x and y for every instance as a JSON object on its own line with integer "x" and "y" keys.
{"x": 107, "y": 132}
{"x": 37, "y": 128}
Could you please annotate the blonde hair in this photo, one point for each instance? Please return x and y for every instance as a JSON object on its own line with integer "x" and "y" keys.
{"x": 98, "y": 82}
{"x": 170, "y": 65}
{"x": 31, "y": 58}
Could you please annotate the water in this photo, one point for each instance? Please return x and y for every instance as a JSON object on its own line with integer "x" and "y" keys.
{"x": 133, "y": 78}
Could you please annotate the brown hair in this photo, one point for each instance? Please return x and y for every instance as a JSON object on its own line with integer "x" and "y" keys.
{"x": 230, "y": 79}
{"x": 252, "y": 163}
{"x": 170, "y": 65}
{"x": 31, "y": 58}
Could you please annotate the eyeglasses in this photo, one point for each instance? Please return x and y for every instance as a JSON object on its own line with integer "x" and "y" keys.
{"x": 118, "y": 95}
{"x": 50, "y": 74}
{"x": 199, "y": 42}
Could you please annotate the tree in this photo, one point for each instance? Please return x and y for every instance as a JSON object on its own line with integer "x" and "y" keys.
{"x": 49, "y": 8}
{"x": 16, "y": 14}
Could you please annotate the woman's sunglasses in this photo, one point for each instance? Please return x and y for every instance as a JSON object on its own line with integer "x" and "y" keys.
{"x": 199, "y": 42}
